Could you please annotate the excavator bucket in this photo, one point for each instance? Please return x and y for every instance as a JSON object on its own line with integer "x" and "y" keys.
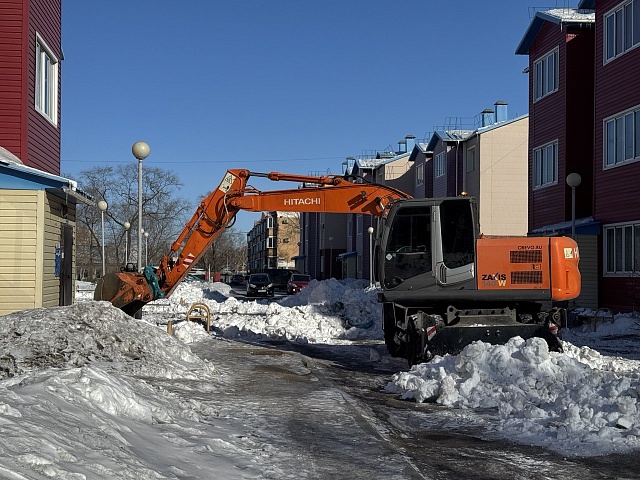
{"x": 128, "y": 291}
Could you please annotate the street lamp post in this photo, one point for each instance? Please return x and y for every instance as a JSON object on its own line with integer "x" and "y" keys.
{"x": 330, "y": 257}
{"x": 573, "y": 180}
{"x": 140, "y": 150}
{"x": 126, "y": 226}
{"x": 102, "y": 205}
{"x": 146, "y": 248}
{"x": 370, "y": 230}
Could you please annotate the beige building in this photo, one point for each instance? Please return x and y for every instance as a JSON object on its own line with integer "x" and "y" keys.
{"x": 37, "y": 231}
{"x": 496, "y": 173}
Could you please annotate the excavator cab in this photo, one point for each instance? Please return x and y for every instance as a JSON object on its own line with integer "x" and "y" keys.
{"x": 428, "y": 242}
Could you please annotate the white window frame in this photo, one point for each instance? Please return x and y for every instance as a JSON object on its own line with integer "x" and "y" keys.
{"x": 441, "y": 164}
{"x": 621, "y": 138}
{"x": 545, "y": 75}
{"x": 46, "y": 81}
{"x": 621, "y": 249}
{"x": 471, "y": 159}
{"x": 420, "y": 174}
{"x": 621, "y": 30}
{"x": 545, "y": 165}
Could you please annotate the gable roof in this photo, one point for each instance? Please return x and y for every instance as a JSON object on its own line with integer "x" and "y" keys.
{"x": 558, "y": 16}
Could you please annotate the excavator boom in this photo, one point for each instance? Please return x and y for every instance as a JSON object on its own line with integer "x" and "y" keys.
{"x": 129, "y": 291}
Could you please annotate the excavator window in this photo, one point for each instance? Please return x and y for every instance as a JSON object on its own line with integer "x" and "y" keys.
{"x": 408, "y": 251}
{"x": 458, "y": 237}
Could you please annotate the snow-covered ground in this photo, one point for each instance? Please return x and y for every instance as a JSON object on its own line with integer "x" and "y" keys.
{"x": 83, "y": 389}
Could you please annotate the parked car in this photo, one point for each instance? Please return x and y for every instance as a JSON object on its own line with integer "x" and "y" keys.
{"x": 297, "y": 282}
{"x": 280, "y": 276}
{"x": 259, "y": 284}
{"x": 237, "y": 280}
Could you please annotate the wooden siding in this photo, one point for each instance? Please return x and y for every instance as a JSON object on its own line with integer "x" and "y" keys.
{"x": 20, "y": 250}
{"x": 546, "y": 124}
{"x": 617, "y": 89}
{"x": 43, "y": 151}
{"x": 12, "y": 113}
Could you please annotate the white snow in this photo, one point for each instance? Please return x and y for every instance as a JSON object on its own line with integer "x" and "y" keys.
{"x": 88, "y": 392}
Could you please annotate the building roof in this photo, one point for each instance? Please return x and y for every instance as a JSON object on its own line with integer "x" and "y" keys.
{"x": 558, "y": 16}
{"x": 15, "y": 175}
{"x": 448, "y": 136}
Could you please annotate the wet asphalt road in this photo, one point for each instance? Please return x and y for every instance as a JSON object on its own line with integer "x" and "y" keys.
{"x": 326, "y": 404}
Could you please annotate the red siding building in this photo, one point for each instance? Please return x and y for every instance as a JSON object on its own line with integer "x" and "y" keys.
{"x": 592, "y": 110}
{"x": 30, "y": 57}
{"x": 617, "y": 149}
{"x": 559, "y": 44}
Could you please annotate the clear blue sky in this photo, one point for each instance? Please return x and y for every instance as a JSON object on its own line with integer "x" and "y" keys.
{"x": 288, "y": 85}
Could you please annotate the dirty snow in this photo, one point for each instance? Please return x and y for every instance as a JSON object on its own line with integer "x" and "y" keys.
{"x": 83, "y": 389}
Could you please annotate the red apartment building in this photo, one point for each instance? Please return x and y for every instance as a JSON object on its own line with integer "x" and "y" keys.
{"x": 584, "y": 98}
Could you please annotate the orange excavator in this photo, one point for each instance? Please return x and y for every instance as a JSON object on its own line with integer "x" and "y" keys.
{"x": 443, "y": 284}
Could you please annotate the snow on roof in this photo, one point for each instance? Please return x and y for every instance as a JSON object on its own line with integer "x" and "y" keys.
{"x": 558, "y": 16}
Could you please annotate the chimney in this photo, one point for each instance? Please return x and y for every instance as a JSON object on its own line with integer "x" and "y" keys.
{"x": 501, "y": 111}
{"x": 487, "y": 117}
{"x": 410, "y": 141}
{"x": 402, "y": 146}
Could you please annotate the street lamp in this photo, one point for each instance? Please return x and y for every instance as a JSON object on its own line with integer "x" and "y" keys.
{"x": 370, "y": 230}
{"x": 126, "y": 226}
{"x": 102, "y": 205}
{"x": 330, "y": 257}
{"x": 573, "y": 180}
{"x": 140, "y": 150}
{"x": 146, "y": 248}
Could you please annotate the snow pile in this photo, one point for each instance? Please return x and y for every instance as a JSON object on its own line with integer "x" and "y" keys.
{"x": 579, "y": 399}
{"x": 91, "y": 332}
{"x": 330, "y": 311}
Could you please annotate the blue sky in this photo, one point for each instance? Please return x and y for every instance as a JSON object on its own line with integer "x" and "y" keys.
{"x": 293, "y": 86}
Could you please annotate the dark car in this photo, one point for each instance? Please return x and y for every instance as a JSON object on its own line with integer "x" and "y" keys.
{"x": 237, "y": 280}
{"x": 259, "y": 284}
{"x": 297, "y": 282}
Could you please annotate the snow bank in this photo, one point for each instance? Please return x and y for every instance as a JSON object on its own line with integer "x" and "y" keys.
{"x": 91, "y": 332}
{"x": 578, "y": 399}
{"x": 330, "y": 311}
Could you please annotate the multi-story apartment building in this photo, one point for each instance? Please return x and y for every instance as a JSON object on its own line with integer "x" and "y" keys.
{"x": 585, "y": 112}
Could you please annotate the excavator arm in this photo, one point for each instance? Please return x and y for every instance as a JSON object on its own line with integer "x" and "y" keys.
{"x": 129, "y": 291}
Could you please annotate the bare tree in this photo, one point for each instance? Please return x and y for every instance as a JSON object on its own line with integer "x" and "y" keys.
{"x": 164, "y": 215}
{"x": 228, "y": 252}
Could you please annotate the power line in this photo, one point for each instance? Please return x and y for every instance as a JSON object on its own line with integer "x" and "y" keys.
{"x": 212, "y": 161}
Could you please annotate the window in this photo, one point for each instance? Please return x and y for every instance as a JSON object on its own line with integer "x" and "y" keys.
{"x": 271, "y": 242}
{"x": 420, "y": 174}
{"x": 545, "y": 165}
{"x": 622, "y": 248}
{"x": 359, "y": 224}
{"x": 46, "y": 94}
{"x": 440, "y": 164}
{"x": 621, "y": 29}
{"x": 545, "y": 80}
{"x": 622, "y": 138}
{"x": 471, "y": 159}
